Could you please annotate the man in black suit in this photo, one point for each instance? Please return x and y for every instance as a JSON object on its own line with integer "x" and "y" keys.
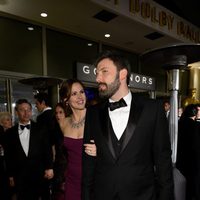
{"x": 133, "y": 148}
{"x": 45, "y": 117}
{"x": 28, "y": 154}
{"x": 45, "y": 121}
{"x": 166, "y": 104}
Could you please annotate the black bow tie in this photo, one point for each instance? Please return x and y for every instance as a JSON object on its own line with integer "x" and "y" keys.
{"x": 28, "y": 126}
{"x": 117, "y": 104}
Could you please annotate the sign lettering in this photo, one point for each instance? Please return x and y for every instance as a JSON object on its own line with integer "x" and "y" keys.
{"x": 87, "y": 73}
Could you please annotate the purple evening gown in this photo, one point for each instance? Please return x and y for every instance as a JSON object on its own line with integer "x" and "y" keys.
{"x": 74, "y": 168}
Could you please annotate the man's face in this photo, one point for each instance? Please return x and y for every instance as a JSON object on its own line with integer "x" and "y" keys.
{"x": 198, "y": 112}
{"x": 39, "y": 106}
{"x": 166, "y": 106}
{"x": 107, "y": 78}
{"x": 24, "y": 112}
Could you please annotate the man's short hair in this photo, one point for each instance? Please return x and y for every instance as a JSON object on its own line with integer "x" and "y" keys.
{"x": 40, "y": 97}
{"x": 21, "y": 101}
{"x": 118, "y": 59}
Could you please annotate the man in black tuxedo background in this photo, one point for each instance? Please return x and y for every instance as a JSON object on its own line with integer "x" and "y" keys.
{"x": 28, "y": 154}
{"x": 131, "y": 134}
{"x": 45, "y": 121}
{"x": 46, "y": 114}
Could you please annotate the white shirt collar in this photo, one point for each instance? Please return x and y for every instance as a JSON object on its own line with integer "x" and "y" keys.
{"x": 126, "y": 98}
{"x": 47, "y": 108}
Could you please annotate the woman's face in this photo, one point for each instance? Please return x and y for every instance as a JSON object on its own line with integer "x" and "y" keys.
{"x": 6, "y": 123}
{"x": 77, "y": 99}
{"x": 60, "y": 114}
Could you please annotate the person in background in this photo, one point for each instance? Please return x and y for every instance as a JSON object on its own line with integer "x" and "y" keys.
{"x": 5, "y": 124}
{"x": 198, "y": 112}
{"x": 133, "y": 150}
{"x": 180, "y": 112}
{"x": 46, "y": 114}
{"x": 60, "y": 115}
{"x": 5, "y": 120}
{"x": 73, "y": 97}
{"x": 188, "y": 152}
{"x": 28, "y": 154}
{"x": 60, "y": 112}
{"x": 60, "y": 157}
{"x": 45, "y": 120}
{"x": 167, "y": 108}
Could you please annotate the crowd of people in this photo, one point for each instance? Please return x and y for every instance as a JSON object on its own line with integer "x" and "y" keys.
{"x": 111, "y": 150}
{"x": 188, "y": 153}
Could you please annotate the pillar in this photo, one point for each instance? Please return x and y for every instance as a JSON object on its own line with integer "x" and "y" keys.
{"x": 194, "y": 78}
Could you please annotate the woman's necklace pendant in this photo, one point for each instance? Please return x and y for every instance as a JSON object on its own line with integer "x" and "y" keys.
{"x": 77, "y": 124}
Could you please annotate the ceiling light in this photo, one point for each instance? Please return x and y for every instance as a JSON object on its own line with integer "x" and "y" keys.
{"x": 107, "y": 35}
{"x": 43, "y": 14}
{"x": 30, "y": 28}
{"x": 89, "y": 44}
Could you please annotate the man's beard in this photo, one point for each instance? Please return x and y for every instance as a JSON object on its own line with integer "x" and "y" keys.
{"x": 111, "y": 88}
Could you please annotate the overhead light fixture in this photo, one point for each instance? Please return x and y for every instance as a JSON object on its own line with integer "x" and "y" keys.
{"x": 30, "y": 28}
{"x": 107, "y": 35}
{"x": 43, "y": 14}
{"x": 89, "y": 44}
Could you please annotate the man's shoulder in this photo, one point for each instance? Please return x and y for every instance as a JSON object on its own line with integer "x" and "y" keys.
{"x": 13, "y": 128}
{"x": 145, "y": 101}
{"x": 11, "y": 132}
{"x": 98, "y": 106}
{"x": 45, "y": 116}
{"x": 48, "y": 112}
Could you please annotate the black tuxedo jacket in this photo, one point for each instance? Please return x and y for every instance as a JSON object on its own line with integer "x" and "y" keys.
{"x": 46, "y": 121}
{"x": 45, "y": 117}
{"x": 143, "y": 170}
{"x": 28, "y": 171}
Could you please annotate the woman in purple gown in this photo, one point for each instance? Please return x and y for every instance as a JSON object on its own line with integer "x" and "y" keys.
{"x": 68, "y": 163}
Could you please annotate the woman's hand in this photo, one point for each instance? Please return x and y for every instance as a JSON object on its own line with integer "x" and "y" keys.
{"x": 91, "y": 149}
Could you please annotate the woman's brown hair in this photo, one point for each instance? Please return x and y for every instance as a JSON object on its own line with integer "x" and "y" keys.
{"x": 65, "y": 93}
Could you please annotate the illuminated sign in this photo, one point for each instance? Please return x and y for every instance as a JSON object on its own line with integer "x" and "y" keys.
{"x": 155, "y": 16}
{"x": 139, "y": 81}
{"x": 87, "y": 73}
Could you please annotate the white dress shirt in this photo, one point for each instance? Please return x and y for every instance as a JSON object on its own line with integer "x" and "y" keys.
{"x": 119, "y": 117}
{"x": 24, "y": 136}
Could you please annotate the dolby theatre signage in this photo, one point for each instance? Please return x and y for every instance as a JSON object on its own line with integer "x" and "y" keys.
{"x": 153, "y": 15}
{"x": 87, "y": 73}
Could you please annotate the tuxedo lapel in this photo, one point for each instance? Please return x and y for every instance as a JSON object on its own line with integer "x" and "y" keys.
{"x": 105, "y": 126}
{"x": 18, "y": 142}
{"x": 135, "y": 112}
{"x": 31, "y": 139}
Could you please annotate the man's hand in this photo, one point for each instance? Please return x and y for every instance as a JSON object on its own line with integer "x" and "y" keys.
{"x": 48, "y": 173}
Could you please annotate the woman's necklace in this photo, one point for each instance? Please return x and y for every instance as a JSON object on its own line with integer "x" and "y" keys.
{"x": 76, "y": 124}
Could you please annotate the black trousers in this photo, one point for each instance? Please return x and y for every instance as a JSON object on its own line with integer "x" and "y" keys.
{"x": 46, "y": 190}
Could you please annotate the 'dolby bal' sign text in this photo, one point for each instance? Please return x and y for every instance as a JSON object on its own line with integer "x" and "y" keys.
{"x": 87, "y": 73}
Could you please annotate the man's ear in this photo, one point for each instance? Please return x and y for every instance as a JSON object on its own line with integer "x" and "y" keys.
{"x": 43, "y": 103}
{"x": 123, "y": 74}
{"x": 16, "y": 113}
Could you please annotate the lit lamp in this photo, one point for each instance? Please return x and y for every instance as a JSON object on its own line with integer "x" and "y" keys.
{"x": 44, "y": 84}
